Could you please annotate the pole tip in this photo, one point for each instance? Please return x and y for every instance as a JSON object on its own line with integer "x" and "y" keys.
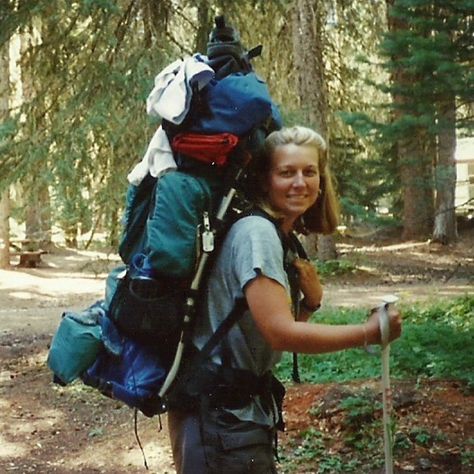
{"x": 390, "y": 299}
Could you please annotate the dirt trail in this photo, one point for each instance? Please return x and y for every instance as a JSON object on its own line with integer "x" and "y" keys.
{"x": 45, "y": 428}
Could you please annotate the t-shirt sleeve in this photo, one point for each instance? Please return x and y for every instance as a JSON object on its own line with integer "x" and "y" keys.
{"x": 257, "y": 250}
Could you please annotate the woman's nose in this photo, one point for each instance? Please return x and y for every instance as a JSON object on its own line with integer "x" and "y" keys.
{"x": 299, "y": 180}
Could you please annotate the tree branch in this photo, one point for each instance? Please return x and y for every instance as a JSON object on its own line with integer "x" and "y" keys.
{"x": 120, "y": 30}
{"x": 180, "y": 46}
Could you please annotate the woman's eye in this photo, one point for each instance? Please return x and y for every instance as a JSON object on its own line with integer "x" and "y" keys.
{"x": 288, "y": 173}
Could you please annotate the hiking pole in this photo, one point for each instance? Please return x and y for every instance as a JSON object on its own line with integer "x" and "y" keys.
{"x": 386, "y": 390}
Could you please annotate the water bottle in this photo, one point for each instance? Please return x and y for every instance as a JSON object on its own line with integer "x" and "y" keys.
{"x": 143, "y": 281}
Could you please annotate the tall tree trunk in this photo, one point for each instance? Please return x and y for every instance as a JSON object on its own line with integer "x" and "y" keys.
{"x": 4, "y": 197}
{"x": 309, "y": 66}
{"x": 4, "y": 230}
{"x": 38, "y": 216}
{"x": 416, "y": 168}
{"x": 114, "y": 229}
{"x": 307, "y": 41}
{"x": 38, "y": 207}
{"x": 416, "y": 156}
{"x": 445, "y": 230}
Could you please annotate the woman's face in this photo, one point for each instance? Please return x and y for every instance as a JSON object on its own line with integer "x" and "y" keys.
{"x": 293, "y": 183}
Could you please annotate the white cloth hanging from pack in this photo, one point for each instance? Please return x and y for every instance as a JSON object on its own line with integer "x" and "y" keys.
{"x": 171, "y": 96}
{"x": 157, "y": 160}
{"x": 170, "y": 99}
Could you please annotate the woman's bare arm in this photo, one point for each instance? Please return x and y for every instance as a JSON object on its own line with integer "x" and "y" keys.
{"x": 270, "y": 306}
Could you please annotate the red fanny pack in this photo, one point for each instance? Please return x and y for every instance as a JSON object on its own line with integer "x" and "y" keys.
{"x": 211, "y": 149}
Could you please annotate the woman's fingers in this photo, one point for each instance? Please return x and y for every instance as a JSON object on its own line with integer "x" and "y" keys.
{"x": 306, "y": 269}
{"x": 309, "y": 281}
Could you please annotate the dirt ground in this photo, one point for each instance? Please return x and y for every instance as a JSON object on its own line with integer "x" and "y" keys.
{"x": 50, "y": 429}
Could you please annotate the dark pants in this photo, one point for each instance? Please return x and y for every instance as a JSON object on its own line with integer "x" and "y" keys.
{"x": 214, "y": 442}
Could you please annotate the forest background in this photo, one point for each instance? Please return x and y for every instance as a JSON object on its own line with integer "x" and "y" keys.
{"x": 389, "y": 83}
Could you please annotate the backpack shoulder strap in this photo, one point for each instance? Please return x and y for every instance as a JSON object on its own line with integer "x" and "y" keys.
{"x": 240, "y": 305}
{"x": 289, "y": 242}
{"x": 298, "y": 246}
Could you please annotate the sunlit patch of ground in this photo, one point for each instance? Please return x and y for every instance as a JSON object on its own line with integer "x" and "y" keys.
{"x": 126, "y": 455}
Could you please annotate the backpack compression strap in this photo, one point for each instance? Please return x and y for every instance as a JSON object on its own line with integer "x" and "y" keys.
{"x": 237, "y": 312}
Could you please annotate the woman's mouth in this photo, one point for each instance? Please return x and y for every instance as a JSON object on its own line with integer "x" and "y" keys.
{"x": 297, "y": 196}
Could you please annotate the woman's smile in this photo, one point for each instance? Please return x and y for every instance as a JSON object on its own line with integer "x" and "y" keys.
{"x": 298, "y": 196}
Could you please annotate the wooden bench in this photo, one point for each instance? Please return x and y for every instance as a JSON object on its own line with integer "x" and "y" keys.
{"x": 30, "y": 259}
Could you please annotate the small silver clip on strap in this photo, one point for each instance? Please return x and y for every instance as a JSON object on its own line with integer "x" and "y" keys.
{"x": 207, "y": 236}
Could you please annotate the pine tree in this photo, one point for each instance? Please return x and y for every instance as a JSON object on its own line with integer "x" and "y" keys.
{"x": 430, "y": 68}
{"x": 427, "y": 53}
{"x": 85, "y": 121}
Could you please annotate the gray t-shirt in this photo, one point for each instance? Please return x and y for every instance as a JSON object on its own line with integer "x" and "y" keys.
{"x": 251, "y": 248}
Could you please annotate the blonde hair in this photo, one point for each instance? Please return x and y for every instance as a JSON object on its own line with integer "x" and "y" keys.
{"x": 323, "y": 216}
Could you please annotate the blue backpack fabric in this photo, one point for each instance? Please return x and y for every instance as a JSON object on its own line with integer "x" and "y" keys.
{"x": 133, "y": 373}
{"x": 89, "y": 346}
{"x": 235, "y": 104}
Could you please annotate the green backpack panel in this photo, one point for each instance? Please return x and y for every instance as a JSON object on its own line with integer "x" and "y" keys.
{"x": 162, "y": 217}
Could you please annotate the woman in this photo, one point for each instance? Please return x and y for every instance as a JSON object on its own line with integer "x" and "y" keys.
{"x": 232, "y": 429}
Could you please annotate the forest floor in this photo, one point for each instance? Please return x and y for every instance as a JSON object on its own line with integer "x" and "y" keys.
{"x": 45, "y": 428}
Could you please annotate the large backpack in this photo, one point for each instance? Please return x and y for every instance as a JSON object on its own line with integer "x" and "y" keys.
{"x": 171, "y": 222}
{"x": 139, "y": 373}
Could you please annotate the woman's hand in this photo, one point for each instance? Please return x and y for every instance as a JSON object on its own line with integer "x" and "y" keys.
{"x": 310, "y": 284}
{"x": 373, "y": 326}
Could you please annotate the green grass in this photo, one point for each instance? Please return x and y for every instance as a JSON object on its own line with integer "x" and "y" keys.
{"x": 437, "y": 342}
{"x": 310, "y": 449}
{"x": 335, "y": 267}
